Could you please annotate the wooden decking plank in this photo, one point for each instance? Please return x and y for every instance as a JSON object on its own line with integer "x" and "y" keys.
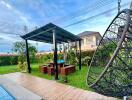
{"x": 19, "y": 92}
{"x": 77, "y": 95}
{"x": 69, "y": 91}
{"x": 52, "y": 90}
{"x": 59, "y": 91}
{"x": 71, "y": 95}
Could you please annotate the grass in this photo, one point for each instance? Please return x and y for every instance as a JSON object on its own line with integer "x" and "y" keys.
{"x": 36, "y": 72}
{"x": 8, "y": 69}
{"x": 77, "y": 79}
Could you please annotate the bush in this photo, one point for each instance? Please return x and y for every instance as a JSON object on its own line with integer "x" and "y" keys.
{"x": 8, "y": 60}
{"x": 104, "y": 54}
{"x": 86, "y": 57}
{"x": 13, "y": 60}
{"x": 73, "y": 57}
{"x": 44, "y": 58}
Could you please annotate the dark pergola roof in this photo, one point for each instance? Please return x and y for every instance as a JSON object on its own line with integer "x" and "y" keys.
{"x": 45, "y": 34}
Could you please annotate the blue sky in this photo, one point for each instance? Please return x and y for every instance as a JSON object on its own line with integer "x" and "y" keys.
{"x": 15, "y": 14}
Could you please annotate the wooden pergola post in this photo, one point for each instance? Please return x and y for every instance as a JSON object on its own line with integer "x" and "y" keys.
{"x": 27, "y": 55}
{"x": 80, "y": 63}
{"x": 55, "y": 55}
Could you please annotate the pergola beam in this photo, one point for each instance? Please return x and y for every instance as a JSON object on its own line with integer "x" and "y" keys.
{"x": 43, "y": 38}
{"x": 58, "y": 38}
{"x": 69, "y": 36}
{"x": 39, "y": 33}
{"x": 48, "y": 39}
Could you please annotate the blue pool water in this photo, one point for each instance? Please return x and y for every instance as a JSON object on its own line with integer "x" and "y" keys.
{"x": 4, "y": 95}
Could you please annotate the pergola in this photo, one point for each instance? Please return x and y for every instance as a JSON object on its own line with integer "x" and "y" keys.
{"x": 53, "y": 34}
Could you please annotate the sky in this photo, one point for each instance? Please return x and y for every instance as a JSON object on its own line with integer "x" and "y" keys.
{"x": 16, "y": 14}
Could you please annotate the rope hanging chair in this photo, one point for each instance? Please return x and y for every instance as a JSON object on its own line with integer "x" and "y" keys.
{"x": 113, "y": 59}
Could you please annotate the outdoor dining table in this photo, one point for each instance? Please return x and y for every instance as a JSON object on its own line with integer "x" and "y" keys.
{"x": 51, "y": 68}
{"x": 59, "y": 62}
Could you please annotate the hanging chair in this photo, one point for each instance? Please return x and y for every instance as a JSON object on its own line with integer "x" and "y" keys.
{"x": 110, "y": 70}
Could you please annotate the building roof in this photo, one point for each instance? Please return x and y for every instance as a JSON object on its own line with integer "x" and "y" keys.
{"x": 45, "y": 34}
{"x": 7, "y": 54}
{"x": 87, "y": 33}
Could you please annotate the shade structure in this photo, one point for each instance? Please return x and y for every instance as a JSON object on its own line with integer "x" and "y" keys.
{"x": 114, "y": 56}
{"x": 45, "y": 34}
{"x": 51, "y": 33}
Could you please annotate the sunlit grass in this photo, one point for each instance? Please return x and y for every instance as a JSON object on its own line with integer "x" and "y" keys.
{"x": 78, "y": 79}
{"x": 36, "y": 72}
{"x": 8, "y": 69}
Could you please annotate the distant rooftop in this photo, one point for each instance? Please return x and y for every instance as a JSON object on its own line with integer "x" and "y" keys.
{"x": 7, "y": 54}
{"x": 86, "y": 33}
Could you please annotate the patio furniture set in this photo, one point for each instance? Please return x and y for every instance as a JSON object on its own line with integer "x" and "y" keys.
{"x": 63, "y": 68}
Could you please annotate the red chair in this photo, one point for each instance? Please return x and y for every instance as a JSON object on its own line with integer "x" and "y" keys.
{"x": 68, "y": 69}
{"x": 43, "y": 68}
{"x": 51, "y": 70}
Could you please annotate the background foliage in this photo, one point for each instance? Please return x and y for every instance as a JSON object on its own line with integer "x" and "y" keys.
{"x": 8, "y": 60}
{"x": 72, "y": 55}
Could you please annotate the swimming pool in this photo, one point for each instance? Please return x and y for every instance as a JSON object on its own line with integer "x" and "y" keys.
{"x": 4, "y": 95}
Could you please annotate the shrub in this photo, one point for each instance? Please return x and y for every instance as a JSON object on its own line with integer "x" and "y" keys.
{"x": 8, "y": 60}
{"x": 72, "y": 57}
{"x": 104, "y": 54}
{"x": 86, "y": 57}
{"x": 44, "y": 58}
{"x": 22, "y": 66}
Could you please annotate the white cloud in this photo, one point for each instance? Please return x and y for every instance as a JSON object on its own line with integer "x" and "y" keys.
{"x": 6, "y": 4}
{"x": 15, "y": 12}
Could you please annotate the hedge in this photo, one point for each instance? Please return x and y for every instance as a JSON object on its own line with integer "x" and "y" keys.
{"x": 44, "y": 58}
{"x": 8, "y": 60}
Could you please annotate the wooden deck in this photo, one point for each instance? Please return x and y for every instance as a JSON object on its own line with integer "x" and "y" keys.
{"x": 52, "y": 90}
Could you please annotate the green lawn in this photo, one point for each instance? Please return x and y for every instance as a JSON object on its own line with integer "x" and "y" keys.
{"x": 36, "y": 72}
{"x": 8, "y": 69}
{"x": 77, "y": 79}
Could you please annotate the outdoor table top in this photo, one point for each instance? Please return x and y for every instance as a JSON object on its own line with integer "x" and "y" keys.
{"x": 58, "y": 61}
